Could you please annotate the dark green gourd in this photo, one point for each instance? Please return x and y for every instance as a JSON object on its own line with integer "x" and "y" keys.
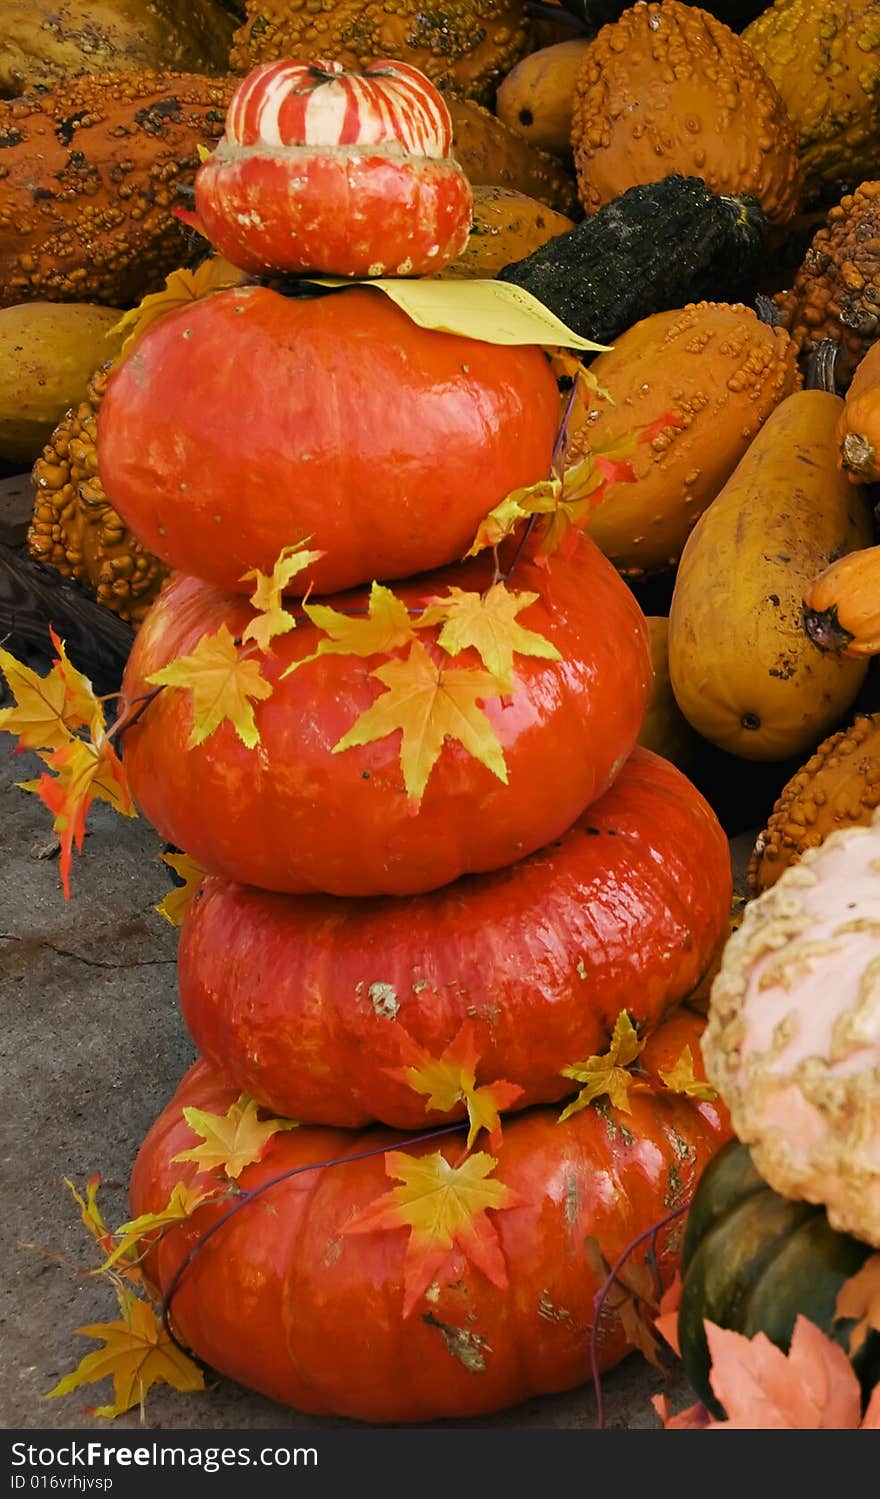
{"x": 654, "y": 248}
{"x": 753, "y": 1262}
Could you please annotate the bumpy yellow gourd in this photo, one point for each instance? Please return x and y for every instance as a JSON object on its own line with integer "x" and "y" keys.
{"x": 824, "y": 57}
{"x": 838, "y": 787}
{"x": 668, "y": 88}
{"x": 718, "y": 371}
{"x": 744, "y": 671}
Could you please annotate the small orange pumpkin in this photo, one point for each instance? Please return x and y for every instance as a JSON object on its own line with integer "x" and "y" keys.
{"x": 858, "y": 431}
{"x": 842, "y": 608}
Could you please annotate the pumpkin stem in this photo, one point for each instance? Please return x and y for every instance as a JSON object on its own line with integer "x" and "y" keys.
{"x": 825, "y": 630}
{"x": 767, "y": 311}
{"x": 821, "y": 370}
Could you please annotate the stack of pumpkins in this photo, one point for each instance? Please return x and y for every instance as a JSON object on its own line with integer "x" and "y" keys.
{"x": 469, "y": 904}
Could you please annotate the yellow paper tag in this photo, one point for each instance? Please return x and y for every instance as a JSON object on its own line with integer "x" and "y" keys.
{"x": 492, "y": 311}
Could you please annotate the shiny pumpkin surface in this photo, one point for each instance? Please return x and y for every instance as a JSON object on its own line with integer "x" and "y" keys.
{"x": 291, "y": 815}
{"x": 306, "y": 1001}
{"x": 283, "y": 1300}
{"x": 332, "y": 417}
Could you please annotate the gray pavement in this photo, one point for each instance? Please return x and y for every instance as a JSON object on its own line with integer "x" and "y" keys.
{"x": 91, "y": 1047}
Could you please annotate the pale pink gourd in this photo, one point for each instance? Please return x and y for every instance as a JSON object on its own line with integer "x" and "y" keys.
{"x": 793, "y": 1041}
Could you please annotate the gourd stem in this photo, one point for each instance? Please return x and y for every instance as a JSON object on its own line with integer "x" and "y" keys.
{"x": 250, "y": 1196}
{"x": 601, "y": 1297}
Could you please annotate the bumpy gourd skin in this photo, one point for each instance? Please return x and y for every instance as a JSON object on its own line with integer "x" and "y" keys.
{"x": 669, "y": 88}
{"x": 75, "y": 527}
{"x": 836, "y": 292}
{"x": 89, "y": 177}
{"x": 838, "y": 787}
{"x": 793, "y": 1040}
{"x": 464, "y": 46}
{"x": 50, "y": 41}
{"x": 824, "y": 57}
{"x": 719, "y": 372}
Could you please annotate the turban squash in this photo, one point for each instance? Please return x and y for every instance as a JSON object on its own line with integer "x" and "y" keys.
{"x": 309, "y": 1003}
{"x": 385, "y": 443}
{"x": 286, "y": 1299}
{"x": 348, "y": 173}
{"x": 291, "y": 815}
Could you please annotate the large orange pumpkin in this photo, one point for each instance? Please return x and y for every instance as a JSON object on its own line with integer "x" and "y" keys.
{"x": 250, "y": 420}
{"x": 291, "y": 815}
{"x": 307, "y": 1002}
{"x": 285, "y": 1299}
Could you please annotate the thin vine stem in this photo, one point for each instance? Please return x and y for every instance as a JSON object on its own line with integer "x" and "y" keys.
{"x": 601, "y": 1297}
{"x": 245, "y": 1198}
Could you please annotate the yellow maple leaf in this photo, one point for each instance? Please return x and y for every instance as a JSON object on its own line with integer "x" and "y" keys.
{"x": 859, "y": 1299}
{"x": 607, "y": 1073}
{"x": 221, "y": 681}
{"x": 175, "y": 904}
{"x": 487, "y": 622}
{"x": 182, "y": 287}
{"x": 430, "y": 703}
{"x": 94, "y": 1222}
{"x": 385, "y": 627}
{"x": 181, "y": 1205}
{"x": 541, "y": 498}
{"x": 47, "y": 709}
{"x": 272, "y": 618}
{"x": 681, "y": 1079}
{"x": 451, "y": 1079}
{"x": 443, "y": 1206}
{"x": 137, "y": 1354}
{"x": 232, "y": 1140}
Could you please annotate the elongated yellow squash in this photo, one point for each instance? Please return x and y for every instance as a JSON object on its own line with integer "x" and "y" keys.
{"x": 744, "y": 672}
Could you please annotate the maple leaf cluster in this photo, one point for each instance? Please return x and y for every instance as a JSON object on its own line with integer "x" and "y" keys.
{"x": 610, "y": 1075}
{"x": 138, "y": 1350}
{"x": 59, "y": 717}
{"x": 426, "y": 699}
{"x": 563, "y": 503}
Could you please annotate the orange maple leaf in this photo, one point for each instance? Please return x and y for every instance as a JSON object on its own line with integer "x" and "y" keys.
{"x": 222, "y": 681}
{"x": 811, "y": 1388}
{"x": 429, "y": 703}
{"x": 666, "y": 1322}
{"x": 85, "y": 771}
{"x": 632, "y": 1298}
{"x": 137, "y": 1354}
{"x": 443, "y": 1206}
{"x": 859, "y": 1298}
{"x": 450, "y": 1079}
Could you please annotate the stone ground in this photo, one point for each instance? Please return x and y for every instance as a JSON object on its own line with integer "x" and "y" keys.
{"x": 91, "y": 1047}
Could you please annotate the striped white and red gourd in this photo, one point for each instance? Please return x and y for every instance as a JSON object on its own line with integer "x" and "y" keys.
{"x": 346, "y": 173}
